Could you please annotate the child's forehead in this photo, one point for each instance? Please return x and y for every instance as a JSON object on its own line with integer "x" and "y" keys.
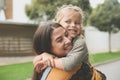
{"x": 76, "y": 9}
{"x": 69, "y": 12}
{"x": 69, "y": 9}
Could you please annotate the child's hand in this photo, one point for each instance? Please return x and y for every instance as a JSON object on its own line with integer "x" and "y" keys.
{"x": 37, "y": 62}
{"x": 40, "y": 66}
{"x": 40, "y": 62}
{"x": 48, "y": 59}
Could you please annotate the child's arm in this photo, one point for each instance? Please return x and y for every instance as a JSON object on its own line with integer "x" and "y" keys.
{"x": 74, "y": 58}
{"x": 78, "y": 54}
{"x": 42, "y": 61}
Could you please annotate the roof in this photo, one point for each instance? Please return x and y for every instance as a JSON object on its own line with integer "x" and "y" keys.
{"x": 17, "y": 23}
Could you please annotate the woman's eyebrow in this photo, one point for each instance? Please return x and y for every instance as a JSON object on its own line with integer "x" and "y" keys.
{"x": 59, "y": 37}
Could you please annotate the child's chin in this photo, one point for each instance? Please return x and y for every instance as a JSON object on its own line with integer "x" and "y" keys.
{"x": 73, "y": 36}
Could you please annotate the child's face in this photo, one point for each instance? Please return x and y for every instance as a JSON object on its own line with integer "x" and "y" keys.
{"x": 71, "y": 22}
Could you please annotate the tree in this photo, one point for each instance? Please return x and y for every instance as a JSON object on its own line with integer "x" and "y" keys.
{"x": 38, "y": 8}
{"x": 106, "y": 17}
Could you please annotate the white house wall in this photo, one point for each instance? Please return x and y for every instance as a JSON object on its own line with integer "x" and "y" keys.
{"x": 98, "y": 41}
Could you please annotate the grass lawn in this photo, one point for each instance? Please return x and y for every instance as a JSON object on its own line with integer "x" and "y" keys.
{"x": 96, "y": 58}
{"x": 16, "y": 71}
{"x": 23, "y": 71}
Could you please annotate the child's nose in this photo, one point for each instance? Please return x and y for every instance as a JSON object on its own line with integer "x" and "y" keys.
{"x": 72, "y": 24}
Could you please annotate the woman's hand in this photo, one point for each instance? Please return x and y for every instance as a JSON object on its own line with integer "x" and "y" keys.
{"x": 42, "y": 61}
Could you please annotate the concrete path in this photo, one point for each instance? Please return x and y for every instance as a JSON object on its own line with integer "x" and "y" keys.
{"x": 111, "y": 70}
{"x": 13, "y": 60}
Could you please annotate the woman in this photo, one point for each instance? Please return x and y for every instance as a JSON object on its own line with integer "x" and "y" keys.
{"x": 71, "y": 18}
{"x": 51, "y": 38}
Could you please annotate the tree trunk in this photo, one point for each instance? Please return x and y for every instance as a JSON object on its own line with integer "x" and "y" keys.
{"x": 109, "y": 41}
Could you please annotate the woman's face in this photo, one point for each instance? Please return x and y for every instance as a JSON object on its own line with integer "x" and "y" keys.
{"x": 71, "y": 22}
{"x": 61, "y": 45}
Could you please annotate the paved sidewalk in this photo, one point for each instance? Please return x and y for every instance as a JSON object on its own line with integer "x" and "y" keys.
{"x": 13, "y": 60}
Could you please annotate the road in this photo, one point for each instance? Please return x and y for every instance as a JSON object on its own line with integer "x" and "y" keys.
{"x": 111, "y": 70}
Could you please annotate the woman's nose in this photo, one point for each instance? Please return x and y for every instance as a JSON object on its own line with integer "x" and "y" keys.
{"x": 67, "y": 40}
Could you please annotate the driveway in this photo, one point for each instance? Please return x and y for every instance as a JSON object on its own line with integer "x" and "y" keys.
{"x": 111, "y": 70}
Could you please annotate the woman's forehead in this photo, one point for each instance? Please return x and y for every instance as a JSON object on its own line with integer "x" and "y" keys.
{"x": 58, "y": 32}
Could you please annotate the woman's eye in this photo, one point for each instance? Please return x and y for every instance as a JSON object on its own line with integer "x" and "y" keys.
{"x": 59, "y": 40}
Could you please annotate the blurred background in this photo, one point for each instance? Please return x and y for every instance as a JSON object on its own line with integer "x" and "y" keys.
{"x": 20, "y": 18}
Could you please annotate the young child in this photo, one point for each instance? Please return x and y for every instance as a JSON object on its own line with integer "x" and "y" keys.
{"x": 71, "y": 18}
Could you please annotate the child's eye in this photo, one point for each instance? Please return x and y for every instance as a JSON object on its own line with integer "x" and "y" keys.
{"x": 66, "y": 34}
{"x": 68, "y": 22}
{"x": 77, "y": 22}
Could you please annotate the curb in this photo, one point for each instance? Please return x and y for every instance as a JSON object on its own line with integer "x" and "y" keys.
{"x": 106, "y": 62}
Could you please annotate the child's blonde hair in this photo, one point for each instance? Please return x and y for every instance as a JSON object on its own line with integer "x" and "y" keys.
{"x": 59, "y": 14}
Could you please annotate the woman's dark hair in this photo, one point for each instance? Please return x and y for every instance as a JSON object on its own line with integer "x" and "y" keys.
{"x": 42, "y": 37}
{"x": 42, "y": 41}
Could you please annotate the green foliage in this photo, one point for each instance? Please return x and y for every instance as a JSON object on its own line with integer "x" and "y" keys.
{"x": 38, "y": 8}
{"x": 106, "y": 16}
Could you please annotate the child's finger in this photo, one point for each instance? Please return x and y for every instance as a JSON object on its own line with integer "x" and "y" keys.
{"x": 37, "y": 69}
{"x": 38, "y": 64}
{"x": 52, "y": 62}
{"x": 37, "y": 59}
{"x": 43, "y": 67}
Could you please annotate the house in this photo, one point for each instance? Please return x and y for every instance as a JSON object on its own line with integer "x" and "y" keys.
{"x": 16, "y": 31}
